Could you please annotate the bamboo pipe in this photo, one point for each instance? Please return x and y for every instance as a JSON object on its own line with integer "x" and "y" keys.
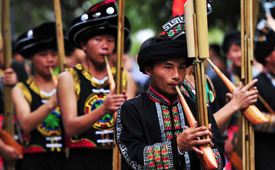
{"x": 8, "y": 109}
{"x": 110, "y": 75}
{"x": 59, "y": 34}
{"x": 252, "y": 113}
{"x": 208, "y": 158}
{"x": 112, "y": 83}
{"x": 53, "y": 77}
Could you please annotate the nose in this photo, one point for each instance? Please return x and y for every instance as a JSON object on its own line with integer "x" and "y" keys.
{"x": 105, "y": 44}
{"x": 176, "y": 75}
{"x": 49, "y": 58}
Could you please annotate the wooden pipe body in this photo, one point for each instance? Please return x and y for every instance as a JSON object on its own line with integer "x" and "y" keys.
{"x": 9, "y": 140}
{"x": 252, "y": 113}
{"x": 208, "y": 158}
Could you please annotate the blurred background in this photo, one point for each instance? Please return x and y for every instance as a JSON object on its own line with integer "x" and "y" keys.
{"x": 146, "y": 16}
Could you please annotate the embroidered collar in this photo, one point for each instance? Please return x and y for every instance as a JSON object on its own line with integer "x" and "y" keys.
{"x": 155, "y": 96}
{"x": 37, "y": 90}
{"x": 94, "y": 81}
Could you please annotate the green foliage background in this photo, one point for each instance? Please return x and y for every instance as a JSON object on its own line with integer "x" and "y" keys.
{"x": 143, "y": 14}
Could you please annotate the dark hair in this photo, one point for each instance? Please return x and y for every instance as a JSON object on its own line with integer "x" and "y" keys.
{"x": 230, "y": 38}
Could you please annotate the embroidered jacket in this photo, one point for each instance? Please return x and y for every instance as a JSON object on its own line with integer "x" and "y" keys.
{"x": 147, "y": 127}
{"x": 47, "y": 137}
{"x": 91, "y": 94}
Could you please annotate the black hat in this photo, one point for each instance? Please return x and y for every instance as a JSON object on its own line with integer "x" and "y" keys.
{"x": 170, "y": 45}
{"x": 231, "y": 37}
{"x": 264, "y": 48}
{"x": 39, "y": 38}
{"x": 101, "y": 18}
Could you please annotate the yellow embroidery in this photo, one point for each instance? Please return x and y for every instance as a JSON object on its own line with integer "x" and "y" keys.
{"x": 25, "y": 91}
{"x": 36, "y": 89}
{"x": 76, "y": 80}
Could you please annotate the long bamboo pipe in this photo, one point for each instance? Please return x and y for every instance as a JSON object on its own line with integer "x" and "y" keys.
{"x": 208, "y": 158}
{"x": 252, "y": 113}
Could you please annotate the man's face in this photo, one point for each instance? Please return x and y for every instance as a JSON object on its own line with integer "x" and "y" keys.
{"x": 98, "y": 47}
{"x": 235, "y": 54}
{"x": 43, "y": 60}
{"x": 166, "y": 74}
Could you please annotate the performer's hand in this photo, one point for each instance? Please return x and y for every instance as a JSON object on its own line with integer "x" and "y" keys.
{"x": 113, "y": 101}
{"x": 8, "y": 153}
{"x": 9, "y": 77}
{"x": 188, "y": 139}
{"x": 242, "y": 97}
{"x": 53, "y": 102}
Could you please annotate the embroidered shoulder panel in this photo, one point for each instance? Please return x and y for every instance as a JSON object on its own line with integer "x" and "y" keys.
{"x": 25, "y": 91}
{"x": 36, "y": 89}
{"x": 76, "y": 80}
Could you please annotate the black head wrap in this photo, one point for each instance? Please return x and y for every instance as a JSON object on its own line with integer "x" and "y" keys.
{"x": 264, "y": 48}
{"x": 161, "y": 47}
{"x": 231, "y": 37}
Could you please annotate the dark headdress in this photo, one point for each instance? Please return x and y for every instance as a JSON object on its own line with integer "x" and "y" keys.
{"x": 264, "y": 42}
{"x": 39, "y": 38}
{"x": 169, "y": 45}
{"x": 231, "y": 37}
{"x": 101, "y": 18}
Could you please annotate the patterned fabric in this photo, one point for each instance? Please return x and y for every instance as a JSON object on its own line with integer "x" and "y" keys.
{"x": 218, "y": 158}
{"x": 47, "y": 137}
{"x": 167, "y": 122}
{"x": 91, "y": 94}
{"x": 268, "y": 127}
{"x": 157, "y": 157}
{"x": 189, "y": 90}
{"x": 76, "y": 81}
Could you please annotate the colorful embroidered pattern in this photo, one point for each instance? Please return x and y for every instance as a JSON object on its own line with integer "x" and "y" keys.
{"x": 165, "y": 157}
{"x": 167, "y": 122}
{"x": 218, "y": 158}
{"x": 177, "y": 128}
{"x": 150, "y": 154}
{"x": 25, "y": 92}
{"x": 36, "y": 89}
{"x": 157, "y": 156}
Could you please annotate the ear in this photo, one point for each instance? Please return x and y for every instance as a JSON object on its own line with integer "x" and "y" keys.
{"x": 268, "y": 58}
{"x": 83, "y": 45}
{"x": 148, "y": 70}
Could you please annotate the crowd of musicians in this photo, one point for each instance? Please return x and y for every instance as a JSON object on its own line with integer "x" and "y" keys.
{"x": 69, "y": 119}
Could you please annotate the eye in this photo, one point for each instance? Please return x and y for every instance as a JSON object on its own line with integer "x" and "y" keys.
{"x": 182, "y": 67}
{"x": 167, "y": 67}
{"x": 111, "y": 40}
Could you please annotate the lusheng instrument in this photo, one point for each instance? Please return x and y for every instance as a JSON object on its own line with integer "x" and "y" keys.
{"x": 252, "y": 113}
{"x": 9, "y": 140}
{"x": 198, "y": 48}
{"x": 119, "y": 67}
{"x": 59, "y": 34}
{"x": 53, "y": 77}
{"x": 249, "y": 10}
{"x": 208, "y": 157}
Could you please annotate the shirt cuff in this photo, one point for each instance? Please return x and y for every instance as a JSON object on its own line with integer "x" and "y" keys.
{"x": 180, "y": 153}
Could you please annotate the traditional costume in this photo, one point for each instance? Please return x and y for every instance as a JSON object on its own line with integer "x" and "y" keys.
{"x": 148, "y": 125}
{"x": 43, "y": 147}
{"x": 93, "y": 148}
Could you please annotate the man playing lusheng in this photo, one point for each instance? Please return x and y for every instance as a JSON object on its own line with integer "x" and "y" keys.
{"x": 152, "y": 131}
